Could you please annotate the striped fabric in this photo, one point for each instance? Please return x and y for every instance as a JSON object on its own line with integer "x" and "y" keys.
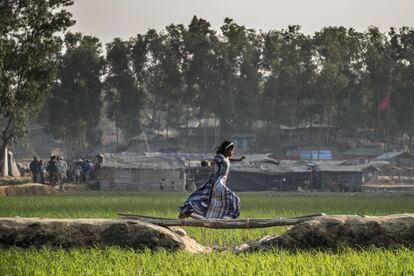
{"x": 213, "y": 199}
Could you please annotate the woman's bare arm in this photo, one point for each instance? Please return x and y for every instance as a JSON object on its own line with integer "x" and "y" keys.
{"x": 238, "y": 159}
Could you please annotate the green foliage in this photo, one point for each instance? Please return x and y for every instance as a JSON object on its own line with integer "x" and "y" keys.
{"x": 163, "y": 74}
{"x": 29, "y": 46}
{"x": 124, "y": 96}
{"x": 118, "y": 261}
{"x": 402, "y": 50}
{"x": 379, "y": 77}
{"x": 199, "y": 42}
{"x": 75, "y": 106}
{"x": 335, "y": 77}
{"x": 241, "y": 56}
{"x": 289, "y": 96}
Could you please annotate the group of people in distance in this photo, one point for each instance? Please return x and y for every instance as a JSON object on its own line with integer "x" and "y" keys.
{"x": 59, "y": 173}
{"x": 56, "y": 169}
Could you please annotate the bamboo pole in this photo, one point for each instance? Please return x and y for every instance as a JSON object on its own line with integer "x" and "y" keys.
{"x": 223, "y": 223}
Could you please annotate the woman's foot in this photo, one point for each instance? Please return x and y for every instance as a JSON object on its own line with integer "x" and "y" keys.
{"x": 182, "y": 216}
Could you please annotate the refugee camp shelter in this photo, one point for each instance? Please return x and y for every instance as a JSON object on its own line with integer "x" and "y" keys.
{"x": 347, "y": 178}
{"x": 401, "y": 158}
{"x": 289, "y": 175}
{"x": 363, "y": 154}
{"x": 131, "y": 171}
{"x": 134, "y": 172}
{"x": 267, "y": 176}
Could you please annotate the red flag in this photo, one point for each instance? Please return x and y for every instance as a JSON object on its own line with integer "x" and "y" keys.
{"x": 384, "y": 103}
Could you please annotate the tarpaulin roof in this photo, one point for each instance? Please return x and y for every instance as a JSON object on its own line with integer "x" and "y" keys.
{"x": 129, "y": 160}
{"x": 391, "y": 155}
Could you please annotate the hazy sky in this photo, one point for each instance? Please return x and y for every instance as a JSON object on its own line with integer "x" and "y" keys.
{"x": 107, "y": 19}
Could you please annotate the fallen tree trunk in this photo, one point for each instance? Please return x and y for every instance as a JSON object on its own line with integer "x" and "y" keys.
{"x": 332, "y": 232}
{"x": 222, "y": 223}
{"x": 67, "y": 233}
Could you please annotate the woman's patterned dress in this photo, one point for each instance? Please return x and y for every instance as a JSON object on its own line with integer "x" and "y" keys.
{"x": 214, "y": 199}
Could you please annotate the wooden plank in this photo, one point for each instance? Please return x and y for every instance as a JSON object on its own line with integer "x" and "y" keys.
{"x": 223, "y": 223}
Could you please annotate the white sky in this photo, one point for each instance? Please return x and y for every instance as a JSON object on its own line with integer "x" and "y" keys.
{"x": 108, "y": 19}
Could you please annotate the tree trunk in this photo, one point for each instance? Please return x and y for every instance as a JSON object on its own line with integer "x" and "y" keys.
{"x": 168, "y": 121}
{"x": 5, "y": 163}
{"x": 223, "y": 223}
{"x": 6, "y": 138}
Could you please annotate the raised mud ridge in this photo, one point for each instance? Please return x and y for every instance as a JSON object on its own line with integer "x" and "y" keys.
{"x": 325, "y": 232}
{"x": 68, "y": 233}
{"x": 26, "y": 189}
{"x": 331, "y": 232}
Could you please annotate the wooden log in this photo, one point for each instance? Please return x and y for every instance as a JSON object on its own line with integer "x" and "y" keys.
{"x": 223, "y": 223}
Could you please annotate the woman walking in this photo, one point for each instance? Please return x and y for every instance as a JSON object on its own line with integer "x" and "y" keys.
{"x": 214, "y": 199}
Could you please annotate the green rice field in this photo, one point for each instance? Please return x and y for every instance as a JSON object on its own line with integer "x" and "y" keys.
{"x": 119, "y": 261}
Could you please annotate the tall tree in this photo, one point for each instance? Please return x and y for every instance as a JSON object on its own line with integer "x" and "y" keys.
{"x": 173, "y": 71}
{"x": 331, "y": 80}
{"x": 339, "y": 55}
{"x": 199, "y": 41}
{"x": 289, "y": 72}
{"x": 29, "y": 47}
{"x": 243, "y": 52}
{"x": 124, "y": 96}
{"x": 402, "y": 52}
{"x": 200, "y": 44}
{"x": 377, "y": 80}
{"x": 75, "y": 106}
{"x": 163, "y": 71}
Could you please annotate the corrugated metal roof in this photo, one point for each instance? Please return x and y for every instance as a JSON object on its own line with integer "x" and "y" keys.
{"x": 265, "y": 168}
{"x": 131, "y": 160}
{"x": 391, "y": 155}
{"x": 324, "y": 168}
{"x": 144, "y": 164}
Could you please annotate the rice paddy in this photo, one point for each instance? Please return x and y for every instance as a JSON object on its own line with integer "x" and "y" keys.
{"x": 121, "y": 261}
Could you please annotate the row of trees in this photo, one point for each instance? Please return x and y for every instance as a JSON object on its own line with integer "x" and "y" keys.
{"x": 337, "y": 76}
{"x": 29, "y": 48}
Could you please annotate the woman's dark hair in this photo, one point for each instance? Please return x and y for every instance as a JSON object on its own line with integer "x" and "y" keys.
{"x": 225, "y": 145}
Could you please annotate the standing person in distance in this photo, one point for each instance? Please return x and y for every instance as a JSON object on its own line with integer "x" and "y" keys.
{"x": 214, "y": 199}
{"x": 35, "y": 169}
{"x": 52, "y": 170}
